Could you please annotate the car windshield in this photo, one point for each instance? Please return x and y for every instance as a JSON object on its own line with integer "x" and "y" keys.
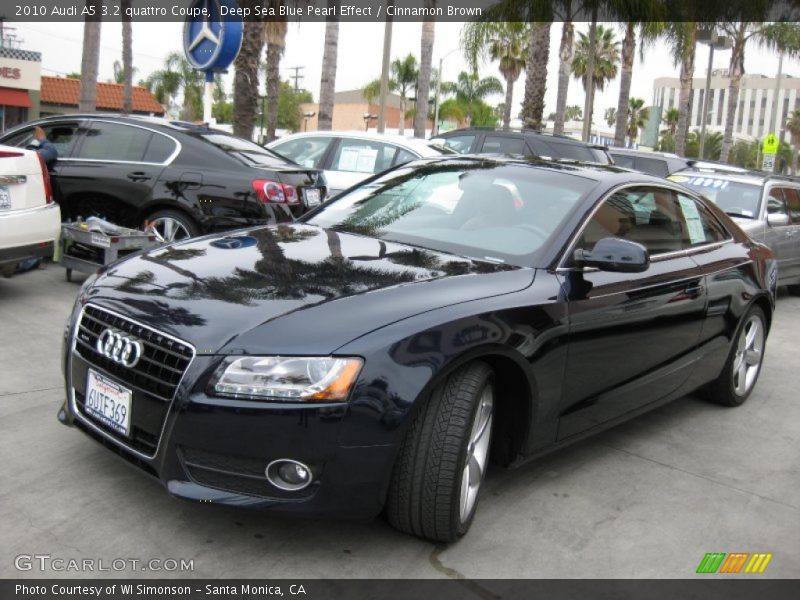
{"x": 245, "y": 151}
{"x": 736, "y": 198}
{"x": 484, "y": 210}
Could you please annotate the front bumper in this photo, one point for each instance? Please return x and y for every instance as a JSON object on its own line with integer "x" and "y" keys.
{"x": 216, "y": 450}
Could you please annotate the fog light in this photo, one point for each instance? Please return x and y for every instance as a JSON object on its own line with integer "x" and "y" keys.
{"x": 289, "y": 475}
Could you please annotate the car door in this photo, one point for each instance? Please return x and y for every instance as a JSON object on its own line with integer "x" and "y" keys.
{"x": 107, "y": 174}
{"x": 792, "y": 197}
{"x": 352, "y": 160}
{"x": 630, "y": 334}
{"x": 63, "y": 135}
{"x": 779, "y": 233}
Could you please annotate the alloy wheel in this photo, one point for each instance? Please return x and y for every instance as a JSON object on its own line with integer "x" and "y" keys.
{"x": 168, "y": 229}
{"x": 749, "y": 353}
{"x": 477, "y": 453}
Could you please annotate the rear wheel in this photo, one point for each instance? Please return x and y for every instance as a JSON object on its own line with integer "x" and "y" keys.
{"x": 740, "y": 373}
{"x": 443, "y": 458}
{"x": 172, "y": 226}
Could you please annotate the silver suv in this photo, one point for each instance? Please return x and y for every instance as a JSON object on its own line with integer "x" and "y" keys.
{"x": 766, "y": 206}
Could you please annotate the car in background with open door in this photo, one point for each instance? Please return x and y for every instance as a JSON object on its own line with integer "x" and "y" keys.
{"x": 29, "y": 218}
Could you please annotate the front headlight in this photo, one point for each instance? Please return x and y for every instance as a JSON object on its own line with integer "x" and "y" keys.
{"x": 287, "y": 378}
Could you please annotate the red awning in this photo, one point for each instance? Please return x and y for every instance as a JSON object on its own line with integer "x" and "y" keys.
{"x": 10, "y": 97}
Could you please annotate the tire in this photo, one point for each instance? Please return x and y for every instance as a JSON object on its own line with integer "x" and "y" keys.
{"x": 741, "y": 370}
{"x": 173, "y": 225}
{"x": 794, "y": 290}
{"x": 428, "y": 494}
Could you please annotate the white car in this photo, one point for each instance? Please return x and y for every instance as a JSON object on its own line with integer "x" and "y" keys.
{"x": 348, "y": 157}
{"x": 29, "y": 218}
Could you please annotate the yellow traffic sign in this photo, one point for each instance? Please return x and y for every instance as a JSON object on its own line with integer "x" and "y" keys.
{"x": 770, "y": 145}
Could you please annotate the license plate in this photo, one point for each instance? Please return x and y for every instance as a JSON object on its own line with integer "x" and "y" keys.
{"x": 312, "y": 197}
{"x": 5, "y": 197}
{"x": 108, "y": 403}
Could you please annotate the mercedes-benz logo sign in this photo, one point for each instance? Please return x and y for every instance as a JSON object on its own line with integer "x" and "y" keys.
{"x": 119, "y": 348}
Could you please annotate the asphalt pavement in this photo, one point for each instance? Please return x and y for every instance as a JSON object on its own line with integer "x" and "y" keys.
{"x": 646, "y": 499}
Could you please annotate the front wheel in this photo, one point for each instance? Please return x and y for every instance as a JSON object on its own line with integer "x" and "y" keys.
{"x": 740, "y": 373}
{"x": 443, "y": 458}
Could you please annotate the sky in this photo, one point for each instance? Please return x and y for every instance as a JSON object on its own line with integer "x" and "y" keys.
{"x": 360, "y": 53}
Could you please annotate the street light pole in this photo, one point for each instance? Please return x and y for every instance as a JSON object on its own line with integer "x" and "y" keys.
{"x": 438, "y": 92}
{"x": 387, "y": 54}
{"x": 777, "y": 107}
{"x": 704, "y": 116}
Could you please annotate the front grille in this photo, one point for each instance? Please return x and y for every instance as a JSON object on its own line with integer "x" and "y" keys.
{"x": 161, "y": 366}
{"x": 237, "y": 474}
{"x": 155, "y": 378}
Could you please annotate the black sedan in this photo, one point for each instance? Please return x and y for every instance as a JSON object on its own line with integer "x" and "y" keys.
{"x": 376, "y": 354}
{"x": 182, "y": 178}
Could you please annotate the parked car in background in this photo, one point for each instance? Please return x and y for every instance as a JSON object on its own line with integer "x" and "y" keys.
{"x": 186, "y": 179}
{"x": 523, "y": 142}
{"x": 374, "y": 355}
{"x": 659, "y": 164}
{"x": 348, "y": 157}
{"x": 766, "y": 206}
{"x": 29, "y": 218}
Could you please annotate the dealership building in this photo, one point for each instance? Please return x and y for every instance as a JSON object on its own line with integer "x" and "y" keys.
{"x": 757, "y": 102}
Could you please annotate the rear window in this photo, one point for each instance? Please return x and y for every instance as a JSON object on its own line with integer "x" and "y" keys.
{"x": 571, "y": 151}
{"x": 245, "y": 151}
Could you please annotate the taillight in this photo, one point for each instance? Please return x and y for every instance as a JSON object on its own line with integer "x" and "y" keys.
{"x": 48, "y": 189}
{"x": 10, "y": 154}
{"x": 275, "y": 192}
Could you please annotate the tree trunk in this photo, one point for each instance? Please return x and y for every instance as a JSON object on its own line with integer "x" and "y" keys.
{"x": 565, "y": 54}
{"x": 628, "y": 49}
{"x": 735, "y": 73}
{"x": 327, "y": 84}
{"x": 401, "y": 128}
{"x": 127, "y": 58}
{"x": 535, "y": 77}
{"x": 509, "y": 100}
{"x": 90, "y": 59}
{"x": 424, "y": 83}
{"x": 685, "y": 95}
{"x": 274, "y": 52}
{"x": 245, "y": 81}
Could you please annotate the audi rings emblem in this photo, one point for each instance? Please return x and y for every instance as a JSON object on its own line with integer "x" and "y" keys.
{"x": 119, "y": 348}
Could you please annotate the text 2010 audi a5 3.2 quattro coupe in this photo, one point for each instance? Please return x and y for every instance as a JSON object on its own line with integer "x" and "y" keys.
{"x": 377, "y": 353}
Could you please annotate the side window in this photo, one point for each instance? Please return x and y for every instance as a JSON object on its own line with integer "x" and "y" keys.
{"x": 403, "y": 156}
{"x": 500, "y": 144}
{"x": 776, "y": 203}
{"x": 159, "y": 149}
{"x": 111, "y": 141}
{"x": 306, "y": 151}
{"x": 459, "y": 143}
{"x": 362, "y": 156}
{"x": 702, "y": 226}
{"x": 792, "y": 197}
{"x": 62, "y": 135}
{"x": 571, "y": 151}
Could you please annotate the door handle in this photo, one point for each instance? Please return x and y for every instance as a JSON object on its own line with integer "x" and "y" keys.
{"x": 694, "y": 290}
{"x": 138, "y": 176}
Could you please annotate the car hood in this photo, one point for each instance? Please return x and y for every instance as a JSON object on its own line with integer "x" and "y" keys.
{"x": 291, "y": 289}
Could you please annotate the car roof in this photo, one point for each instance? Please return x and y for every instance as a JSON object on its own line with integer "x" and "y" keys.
{"x": 420, "y": 146}
{"x": 173, "y": 124}
{"x": 556, "y": 137}
{"x": 734, "y": 173}
{"x": 646, "y": 154}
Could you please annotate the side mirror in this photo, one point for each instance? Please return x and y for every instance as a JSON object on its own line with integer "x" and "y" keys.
{"x": 615, "y": 254}
{"x": 777, "y": 219}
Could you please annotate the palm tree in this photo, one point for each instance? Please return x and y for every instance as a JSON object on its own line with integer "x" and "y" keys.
{"x": 793, "y": 127}
{"x": 275, "y": 33}
{"x": 784, "y": 37}
{"x": 127, "y": 58}
{"x": 573, "y": 113}
{"x": 535, "y": 75}
{"x": 712, "y": 146}
{"x": 670, "y": 119}
{"x": 245, "y": 79}
{"x": 327, "y": 84}
{"x": 606, "y": 58}
{"x": 403, "y": 77}
{"x": 506, "y": 42}
{"x": 565, "y": 11}
{"x": 638, "y": 116}
{"x": 470, "y": 90}
{"x": 681, "y": 37}
{"x": 610, "y": 115}
{"x": 90, "y": 58}
{"x": 424, "y": 75}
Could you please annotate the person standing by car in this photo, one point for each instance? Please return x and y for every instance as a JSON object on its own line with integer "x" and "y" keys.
{"x": 43, "y": 146}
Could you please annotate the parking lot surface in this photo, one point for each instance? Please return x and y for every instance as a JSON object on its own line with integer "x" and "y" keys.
{"x": 646, "y": 499}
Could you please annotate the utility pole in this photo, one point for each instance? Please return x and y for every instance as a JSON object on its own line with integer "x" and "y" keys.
{"x": 297, "y": 77}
